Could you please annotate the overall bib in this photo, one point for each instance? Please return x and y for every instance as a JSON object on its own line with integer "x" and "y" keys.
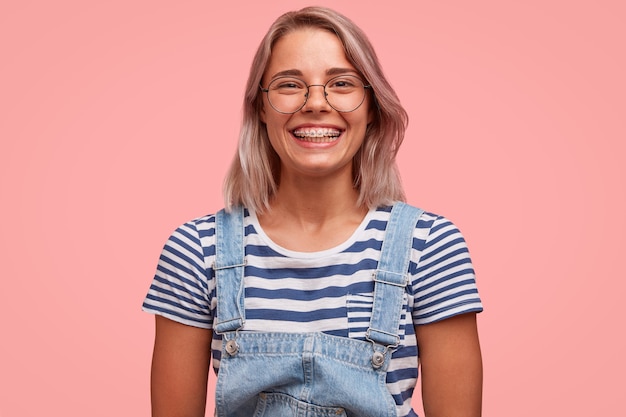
{"x": 272, "y": 374}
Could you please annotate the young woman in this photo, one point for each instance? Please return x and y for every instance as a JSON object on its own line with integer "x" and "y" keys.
{"x": 316, "y": 292}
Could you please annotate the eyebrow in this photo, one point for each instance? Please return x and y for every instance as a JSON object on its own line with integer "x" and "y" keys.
{"x": 329, "y": 72}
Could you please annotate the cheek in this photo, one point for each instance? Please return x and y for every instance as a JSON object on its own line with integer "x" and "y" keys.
{"x": 275, "y": 128}
{"x": 363, "y": 118}
{"x": 274, "y": 122}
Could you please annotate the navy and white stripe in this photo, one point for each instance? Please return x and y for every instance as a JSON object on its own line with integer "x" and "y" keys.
{"x": 329, "y": 291}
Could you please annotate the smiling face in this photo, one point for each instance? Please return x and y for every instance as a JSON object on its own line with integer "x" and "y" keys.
{"x": 316, "y": 140}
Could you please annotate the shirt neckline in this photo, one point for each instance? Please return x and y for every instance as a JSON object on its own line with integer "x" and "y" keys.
{"x": 253, "y": 220}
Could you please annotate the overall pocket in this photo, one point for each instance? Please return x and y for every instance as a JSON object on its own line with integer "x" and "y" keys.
{"x": 276, "y": 404}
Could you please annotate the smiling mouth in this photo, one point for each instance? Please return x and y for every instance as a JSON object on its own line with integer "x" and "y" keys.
{"x": 317, "y": 135}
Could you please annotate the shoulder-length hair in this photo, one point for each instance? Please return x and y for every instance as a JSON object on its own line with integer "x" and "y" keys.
{"x": 255, "y": 170}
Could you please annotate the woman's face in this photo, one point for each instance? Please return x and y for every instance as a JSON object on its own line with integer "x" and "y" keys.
{"x": 316, "y": 140}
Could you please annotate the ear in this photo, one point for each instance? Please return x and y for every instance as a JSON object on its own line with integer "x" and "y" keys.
{"x": 262, "y": 112}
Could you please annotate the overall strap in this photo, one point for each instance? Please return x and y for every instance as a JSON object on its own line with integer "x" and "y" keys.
{"x": 229, "y": 270}
{"x": 391, "y": 276}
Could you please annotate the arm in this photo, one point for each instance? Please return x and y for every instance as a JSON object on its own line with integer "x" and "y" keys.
{"x": 180, "y": 369}
{"x": 451, "y": 367}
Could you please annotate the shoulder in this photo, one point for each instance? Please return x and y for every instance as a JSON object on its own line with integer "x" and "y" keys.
{"x": 430, "y": 227}
{"x": 198, "y": 234}
{"x": 191, "y": 245}
{"x": 198, "y": 226}
{"x": 434, "y": 232}
{"x": 195, "y": 231}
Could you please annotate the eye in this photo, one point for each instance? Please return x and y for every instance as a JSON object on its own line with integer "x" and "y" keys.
{"x": 287, "y": 85}
{"x": 343, "y": 84}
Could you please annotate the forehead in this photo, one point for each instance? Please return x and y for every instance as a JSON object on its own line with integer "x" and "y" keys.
{"x": 310, "y": 51}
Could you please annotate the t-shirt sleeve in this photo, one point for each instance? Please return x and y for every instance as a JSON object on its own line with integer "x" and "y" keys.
{"x": 443, "y": 279}
{"x": 180, "y": 288}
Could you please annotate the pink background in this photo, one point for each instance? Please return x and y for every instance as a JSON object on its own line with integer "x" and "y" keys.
{"x": 118, "y": 120}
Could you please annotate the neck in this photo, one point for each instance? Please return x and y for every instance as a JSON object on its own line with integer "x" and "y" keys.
{"x": 316, "y": 199}
{"x": 313, "y": 214}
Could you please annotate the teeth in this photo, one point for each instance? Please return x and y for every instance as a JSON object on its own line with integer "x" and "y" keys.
{"x": 317, "y": 133}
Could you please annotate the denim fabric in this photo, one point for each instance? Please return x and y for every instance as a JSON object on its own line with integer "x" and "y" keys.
{"x": 301, "y": 374}
{"x": 391, "y": 275}
{"x": 269, "y": 374}
{"x": 229, "y": 268}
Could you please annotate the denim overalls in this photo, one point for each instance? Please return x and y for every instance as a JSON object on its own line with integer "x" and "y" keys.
{"x": 308, "y": 374}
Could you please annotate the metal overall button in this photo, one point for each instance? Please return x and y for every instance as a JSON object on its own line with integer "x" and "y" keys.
{"x": 232, "y": 347}
{"x": 378, "y": 359}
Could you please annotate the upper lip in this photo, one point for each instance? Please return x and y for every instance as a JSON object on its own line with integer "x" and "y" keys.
{"x": 317, "y": 126}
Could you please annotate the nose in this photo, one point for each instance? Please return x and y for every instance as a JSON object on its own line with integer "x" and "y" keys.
{"x": 316, "y": 101}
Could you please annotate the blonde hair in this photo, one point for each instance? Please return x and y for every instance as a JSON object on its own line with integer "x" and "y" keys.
{"x": 253, "y": 176}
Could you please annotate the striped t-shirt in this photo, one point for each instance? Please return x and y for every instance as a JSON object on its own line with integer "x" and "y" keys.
{"x": 330, "y": 291}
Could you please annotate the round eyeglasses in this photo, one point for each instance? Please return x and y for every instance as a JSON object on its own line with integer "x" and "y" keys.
{"x": 287, "y": 95}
